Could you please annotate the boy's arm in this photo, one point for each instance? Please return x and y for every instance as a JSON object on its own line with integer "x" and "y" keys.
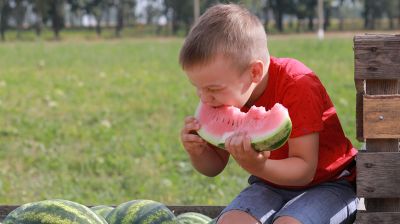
{"x": 297, "y": 170}
{"x": 211, "y": 161}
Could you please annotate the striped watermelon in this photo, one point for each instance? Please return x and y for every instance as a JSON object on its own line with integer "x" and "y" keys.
{"x": 141, "y": 212}
{"x": 193, "y": 218}
{"x": 102, "y": 210}
{"x": 53, "y": 211}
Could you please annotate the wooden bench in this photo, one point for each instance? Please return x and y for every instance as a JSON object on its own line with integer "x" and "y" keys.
{"x": 377, "y": 81}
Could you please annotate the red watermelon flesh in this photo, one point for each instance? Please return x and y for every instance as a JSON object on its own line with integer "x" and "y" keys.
{"x": 268, "y": 129}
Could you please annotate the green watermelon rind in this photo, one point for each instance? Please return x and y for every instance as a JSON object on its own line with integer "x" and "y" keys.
{"x": 53, "y": 211}
{"x": 268, "y": 142}
{"x": 193, "y": 218}
{"x": 274, "y": 140}
{"x": 141, "y": 211}
{"x": 102, "y": 210}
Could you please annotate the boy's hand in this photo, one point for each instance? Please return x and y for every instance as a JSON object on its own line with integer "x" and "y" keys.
{"x": 193, "y": 143}
{"x": 239, "y": 146}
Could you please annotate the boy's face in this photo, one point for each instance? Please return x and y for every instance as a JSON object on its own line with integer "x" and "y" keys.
{"x": 219, "y": 83}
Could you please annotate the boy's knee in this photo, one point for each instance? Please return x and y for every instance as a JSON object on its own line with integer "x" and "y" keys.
{"x": 237, "y": 217}
{"x": 286, "y": 220}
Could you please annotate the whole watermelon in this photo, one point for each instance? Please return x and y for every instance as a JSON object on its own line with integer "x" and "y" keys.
{"x": 53, "y": 211}
{"x": 140, "y": 212}
{"x": 102, "y": 210}
{"x": 193, "y": 218}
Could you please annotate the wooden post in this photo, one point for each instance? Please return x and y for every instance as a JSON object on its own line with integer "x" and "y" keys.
{"x": 377, "y": 75}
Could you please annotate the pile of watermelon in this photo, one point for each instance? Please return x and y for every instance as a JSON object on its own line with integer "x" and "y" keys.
{"x": 58, "y": 211}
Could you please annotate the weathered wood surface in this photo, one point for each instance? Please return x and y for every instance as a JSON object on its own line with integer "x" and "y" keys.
{"x": 360, "y": 91}
{"x": 211, "y": 211}
{"x": 381, "y": 87}
{"x": 377, "y": 56}
{"x": 381, "y": 116}
{"x": 378, "y": 217}
{"x": 378, "y": 174}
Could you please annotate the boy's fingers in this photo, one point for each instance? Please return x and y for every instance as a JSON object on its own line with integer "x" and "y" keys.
{"x": 237, "y": 140}
{"x": 190, "y": 119}
{"x": 191, "y": 127}
{"x": 234, "y": 143}
{"x": 247, "y": 143}
{"x": 192, "y": 138}
{"x": 266, "y": 154}
{"x": 228, "y": 143}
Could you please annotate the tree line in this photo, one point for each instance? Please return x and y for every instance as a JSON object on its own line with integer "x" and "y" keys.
{"x": 178, "y": 15}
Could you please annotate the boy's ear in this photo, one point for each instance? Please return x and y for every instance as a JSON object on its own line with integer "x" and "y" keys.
{"x": 257, "y": 70}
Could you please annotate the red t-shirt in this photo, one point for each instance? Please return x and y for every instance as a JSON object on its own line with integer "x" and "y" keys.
{"x": 296, "y": 87}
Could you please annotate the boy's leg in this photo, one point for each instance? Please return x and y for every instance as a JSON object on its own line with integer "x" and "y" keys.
{"x": 237, "y": 217}
{"x": 255, "y": 204}
{"x": 328, "y": 203}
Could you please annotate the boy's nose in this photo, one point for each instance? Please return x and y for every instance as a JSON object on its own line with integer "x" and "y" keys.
{"x": 204, "y": 97}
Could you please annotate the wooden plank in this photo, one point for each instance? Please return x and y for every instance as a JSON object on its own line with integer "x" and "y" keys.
{"x": 375, "y": 37}
{"x": 377, "y": 217}
{"x": 211, "y": 211}
{"x": 5, "y": 209}
{"x": 381, "y": 87}
{"x": 381, "y": 116}
{"x": 382, "y": 145}
{"x": 377, "y": 57}
{"x": 378, "y": 174}
{"x": 360, "y": 91}
{"x": 386, "y": 87}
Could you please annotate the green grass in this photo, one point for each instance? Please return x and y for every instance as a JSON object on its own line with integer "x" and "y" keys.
{"x": 98, "y": 122}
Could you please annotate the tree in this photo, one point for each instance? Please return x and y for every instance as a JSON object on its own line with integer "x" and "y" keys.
{"x": 152, "y": 11}
{"x": 389, "y": 6}
{"x": 301, "y": 13}
{"x": 398, "y": 13}
{"x": 77, "y": 8}
{"x": 40, "y": 8}
{"x": 97, "y": 9}
{"x": 340, "y": 15}
{"x": 372, "y": 11}
{"x": 281, "y": 7}
{"x": 4, "y": 13}
{"x": 19, "y": 14}
{"x": 182, "y": 14}
{"x": 125, "y": 8}
{"x": 56, "y": 12}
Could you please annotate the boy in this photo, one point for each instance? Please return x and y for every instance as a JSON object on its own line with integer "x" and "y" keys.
{"x": 309, "y": 179}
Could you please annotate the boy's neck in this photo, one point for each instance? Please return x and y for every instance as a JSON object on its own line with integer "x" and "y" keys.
{"x": 258, "y": 91}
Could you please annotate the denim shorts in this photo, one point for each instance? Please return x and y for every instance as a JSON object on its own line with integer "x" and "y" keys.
{"x": 330, "y": 202}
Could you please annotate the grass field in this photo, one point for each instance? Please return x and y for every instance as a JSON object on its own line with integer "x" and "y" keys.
{"x": 98, "y": 122}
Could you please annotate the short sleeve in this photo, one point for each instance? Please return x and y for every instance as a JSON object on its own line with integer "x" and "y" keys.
{"x": 304, "y": 101}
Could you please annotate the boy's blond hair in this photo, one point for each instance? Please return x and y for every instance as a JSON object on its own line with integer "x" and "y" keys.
{"x": 229, "y": 30}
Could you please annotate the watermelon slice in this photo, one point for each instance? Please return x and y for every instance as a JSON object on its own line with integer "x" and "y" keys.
{"x": 268, "y": 130}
